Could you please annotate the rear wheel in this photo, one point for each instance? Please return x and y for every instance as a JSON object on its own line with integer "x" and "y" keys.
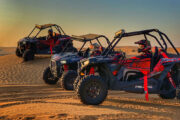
{"x": 168, "y": 95}
{"x": 167, "y": 85}
{"x": 178, "y": 77}
{"x": 67, "y": 79}
{"x": 92, "y": 90}
{"x": 178, "y": 95}
{"x": 48, "y": 77}
{"x": 28, "y": 55}
{"x": 18, "y": 53}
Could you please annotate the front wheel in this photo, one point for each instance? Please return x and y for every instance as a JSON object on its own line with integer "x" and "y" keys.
{"x": 170, "y": 95}
{"x": 18, "y": 53}
{"x": 67, "y": 79}
{"x": 28, "y": 55}
{"x": 48, "y": 77}
{"x": 92, "y": 90}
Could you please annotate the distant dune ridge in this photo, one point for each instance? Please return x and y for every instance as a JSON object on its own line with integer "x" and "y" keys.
{"x": 7, "y": 50}
{"x": 130, "y": 50}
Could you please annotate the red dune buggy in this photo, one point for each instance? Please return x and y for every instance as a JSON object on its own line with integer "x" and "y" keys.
{"x": 159, "y": 74}
{"x": 37, "y": 42}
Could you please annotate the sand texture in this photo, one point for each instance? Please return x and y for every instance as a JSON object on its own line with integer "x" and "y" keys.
{"x": 24, "y": 96}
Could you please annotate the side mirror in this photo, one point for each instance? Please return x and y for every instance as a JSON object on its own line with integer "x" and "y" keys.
{"x": 118, "y": 33}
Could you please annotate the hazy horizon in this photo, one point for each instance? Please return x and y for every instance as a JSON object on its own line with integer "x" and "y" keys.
{"x": 79, "y": 17}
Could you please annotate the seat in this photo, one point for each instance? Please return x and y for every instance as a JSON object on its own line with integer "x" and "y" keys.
{"x": 155, "y": 57}
{"x": 131, "y": 74}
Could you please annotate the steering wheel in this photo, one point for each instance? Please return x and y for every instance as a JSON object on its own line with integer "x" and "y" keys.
{"x": 84, "y": 53}
{"x": 120, "y": 57}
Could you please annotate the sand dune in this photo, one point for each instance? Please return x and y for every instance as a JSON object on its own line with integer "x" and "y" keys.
{"x": 24, "y": 96}
{"x": 41, "y": 102}
{"x": 15, "y": 71}
{"x": 7, "y": 50}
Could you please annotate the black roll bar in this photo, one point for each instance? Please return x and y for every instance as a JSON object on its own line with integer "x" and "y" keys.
{"x": 170, "y": 43}
{"x": 156, "y": 40}
{"x": 160, "y": 34}
{"x": 145, "y": 32}
{"x": 61, "y": 29}
{"x": 37, "y": 33}
{"x": 31, "y": 31}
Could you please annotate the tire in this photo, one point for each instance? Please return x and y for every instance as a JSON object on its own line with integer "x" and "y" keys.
{"x": 88, "y": 87}
{"x": 48, "y": 77}
{"x": 170, "y": 95}
{"x": 166, "y": 85}
{"x": 18, "y": 53}
{"x": 178, "y": 95}
{"x": 28, "y": 55}
{"x": 178, "y": 84}
{"x": 67, "y": 79}
{"x": 76, "y": 82}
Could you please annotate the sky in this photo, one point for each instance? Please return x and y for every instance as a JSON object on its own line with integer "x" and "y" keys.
{"x": 78, "y": 17}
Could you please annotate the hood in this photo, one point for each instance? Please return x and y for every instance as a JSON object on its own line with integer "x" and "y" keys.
{"x": 25, "y": 39}
{"x": 98, "y": 59}
{"x": 67, "y": 56}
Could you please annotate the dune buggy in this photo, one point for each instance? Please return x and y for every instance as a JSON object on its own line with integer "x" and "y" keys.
{"x": 37, "y": 42}
{"x": 64, "y": 66}
{"x": 159, "y": 74}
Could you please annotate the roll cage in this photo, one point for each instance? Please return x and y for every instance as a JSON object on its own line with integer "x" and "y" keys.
{"x": 89, "y": 38}
{"x": 45, "y": 26}
{"x": 121, "y": 33}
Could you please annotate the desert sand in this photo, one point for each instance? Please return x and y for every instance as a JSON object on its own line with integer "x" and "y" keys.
{"x": 24, "y": 96}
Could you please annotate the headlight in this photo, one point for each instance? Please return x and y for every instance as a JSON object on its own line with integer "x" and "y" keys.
{"x": 24, "y": 42}
{"x": 82, "y": 74}
{"x": 63, "y": 62}
{"x": 86, "y": 62}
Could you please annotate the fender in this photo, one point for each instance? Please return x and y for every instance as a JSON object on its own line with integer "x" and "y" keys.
{"x": 92, "y": 61}
{"x": 166, "y": 61}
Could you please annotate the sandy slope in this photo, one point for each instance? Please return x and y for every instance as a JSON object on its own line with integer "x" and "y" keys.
{"x": 50, "y": 102}
{"x": 7, "y": 50}
{"x": 23, "y": 95}
{"x": 15, "y": 71}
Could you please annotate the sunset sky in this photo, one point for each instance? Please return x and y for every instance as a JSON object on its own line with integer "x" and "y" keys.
{"x": 77, "y": 17}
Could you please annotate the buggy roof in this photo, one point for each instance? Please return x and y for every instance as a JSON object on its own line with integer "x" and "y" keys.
{"x": 140, "y": 32}
{"x": 87, "y": 37}
{"x": 45, "y": 26}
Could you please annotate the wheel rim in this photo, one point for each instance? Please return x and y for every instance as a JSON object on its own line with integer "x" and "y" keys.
{"x": 71, "y": 81}
{"x": 50, "y": 77}
{"x": 93, "y": 90}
